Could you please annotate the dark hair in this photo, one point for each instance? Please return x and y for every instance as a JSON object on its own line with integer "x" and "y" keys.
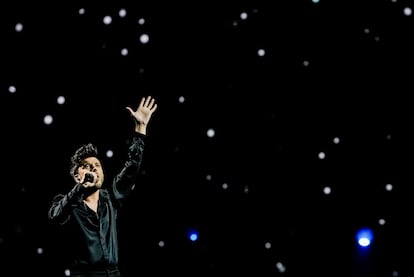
{"x": 83, "y": 152}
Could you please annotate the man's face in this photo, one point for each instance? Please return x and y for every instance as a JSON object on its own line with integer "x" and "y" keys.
{"x": 94, "y": 166}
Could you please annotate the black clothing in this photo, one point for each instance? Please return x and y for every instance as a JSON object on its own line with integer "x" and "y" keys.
{"x": 107, "y": 272}
{"x": 92, "y": 237}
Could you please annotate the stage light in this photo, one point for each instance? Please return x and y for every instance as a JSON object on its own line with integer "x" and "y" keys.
{"x": 364, "y": 237}
{"x": 193, "y": 235}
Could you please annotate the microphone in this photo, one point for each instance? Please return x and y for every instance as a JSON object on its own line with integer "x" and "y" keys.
{"x": 88, "y": 177}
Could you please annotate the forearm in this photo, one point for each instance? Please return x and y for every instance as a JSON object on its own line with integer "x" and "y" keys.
{"x": 59, "y": 210}
{"x": 126, "y": 179}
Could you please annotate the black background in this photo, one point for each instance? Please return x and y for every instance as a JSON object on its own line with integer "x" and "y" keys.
{"x": 333, "y": 69}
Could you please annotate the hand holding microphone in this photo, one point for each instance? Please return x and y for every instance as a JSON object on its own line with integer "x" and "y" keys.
{"x": 89, "y": 179}
{"x": 89, "y": 182}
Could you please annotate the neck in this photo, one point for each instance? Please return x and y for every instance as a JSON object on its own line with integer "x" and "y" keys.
{"x": 92, "y": 201}
{"x": 94, "y": 197}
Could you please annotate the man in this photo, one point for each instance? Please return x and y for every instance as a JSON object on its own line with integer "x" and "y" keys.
{"x": 89, "y": 211}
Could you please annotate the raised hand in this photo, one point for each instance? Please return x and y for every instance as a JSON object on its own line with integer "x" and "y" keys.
{"x": 143, "y": 113}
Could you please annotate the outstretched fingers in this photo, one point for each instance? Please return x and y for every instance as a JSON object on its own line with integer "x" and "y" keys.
{"x": 148, "y": 102}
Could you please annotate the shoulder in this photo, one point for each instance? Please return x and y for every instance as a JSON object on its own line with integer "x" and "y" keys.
{"x": 104, "y": 193}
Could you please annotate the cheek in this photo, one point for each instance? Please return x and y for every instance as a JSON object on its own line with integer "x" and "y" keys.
{"x": 82, "y": 172}
{"x": 101, "y": 173}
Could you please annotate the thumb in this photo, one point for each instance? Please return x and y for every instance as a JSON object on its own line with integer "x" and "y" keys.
{"x": 130, "y": 110}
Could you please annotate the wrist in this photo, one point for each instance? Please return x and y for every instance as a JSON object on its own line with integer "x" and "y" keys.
{"x": 141, "y": 129}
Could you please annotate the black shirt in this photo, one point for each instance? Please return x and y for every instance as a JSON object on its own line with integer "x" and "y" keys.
{"x": 92, "y": 237}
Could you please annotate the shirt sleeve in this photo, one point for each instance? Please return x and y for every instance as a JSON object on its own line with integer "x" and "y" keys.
{"x": 60, "y": 209}
{"x": 124, "y": 182}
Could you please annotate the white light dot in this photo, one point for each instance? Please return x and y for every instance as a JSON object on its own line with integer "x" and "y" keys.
{"x": 122, "y": 13}
{"x": 109, "y": 153}
{"x": 12, "y": 89}
{"x": 315, "y": 1}
{"x": 381, "y": 221}
{"x": 305, "y": 63}
{"x": 18, "y": 27}
{"x": 268, "y": 245}
{"x": 225, "y": 186}
{"x": 208, "y": 177}
{"x": 107, "y": 19}
{"x": 388, "y": 187}
{"x": 48, "y": 119}
{"x": 243, "y": 16}
{"x": 39, "y": 250}
{"x": 327, "y": 190}
{"x": 336, "y": 140}
{"x": 408, "y": 11}
{"x": 141, "y": 21}
{"x": 61, "y": 100}
{"x": 210, "y": 133}
{"x": 161, "y": 243}
{"x": 124, "y": 51}
{"x": 181, "y": 99}
{"x": 366, "y": 31}
{"x": 261, "y": 52}
{"x": 321, "y": 155}
{"x": 67, "y": 272}
{"x": 81, "y": 11}
{"x": 280, "y": 267}
{"x": 144, "y": 38}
